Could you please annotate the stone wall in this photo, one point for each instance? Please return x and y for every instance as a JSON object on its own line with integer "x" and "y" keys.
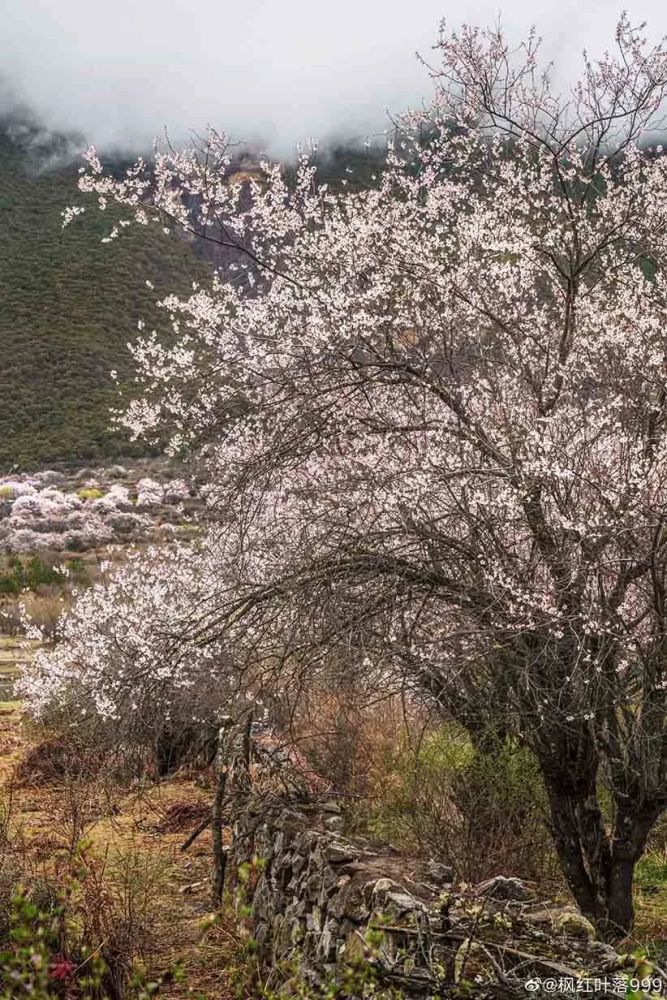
{"x": 326, "y": 901}
{"x": 316, "y": 894}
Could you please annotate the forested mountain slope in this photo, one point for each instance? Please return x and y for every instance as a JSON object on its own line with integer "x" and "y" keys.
{"x": 68, "y": 307}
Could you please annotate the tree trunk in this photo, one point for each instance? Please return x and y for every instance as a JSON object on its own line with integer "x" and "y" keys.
{"x": 633, "y": 824}
{"x": 620, "y": 905}
{"x": 599, "y": 868}
{"x": 567, "y": 840}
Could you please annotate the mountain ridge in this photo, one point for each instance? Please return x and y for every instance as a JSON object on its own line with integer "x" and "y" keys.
{"x": 68, "y": 308}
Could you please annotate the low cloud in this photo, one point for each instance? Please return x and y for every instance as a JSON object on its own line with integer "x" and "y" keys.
{"x": 279, "y": 72}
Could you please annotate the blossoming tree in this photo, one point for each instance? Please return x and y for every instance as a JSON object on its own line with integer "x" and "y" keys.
{"x": 432, "y": 414}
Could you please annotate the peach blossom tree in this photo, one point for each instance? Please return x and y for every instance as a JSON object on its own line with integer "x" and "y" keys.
{"x": 432, "y": 412}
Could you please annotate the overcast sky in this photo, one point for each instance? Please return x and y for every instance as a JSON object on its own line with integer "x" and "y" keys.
{"x": 284, "y": 69}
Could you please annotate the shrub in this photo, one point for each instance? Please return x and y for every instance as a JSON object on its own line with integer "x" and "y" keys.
{"x": 176, "y": 491}
{"x": 25, "y": 540}
{"x": 149, "y": 492}
{"x": 56, "y": 759}
{"x": 39, "y": 892}
{"x": 16, "y": 488}
{"x": 29, "y": 575}
{"x": 89, "y": 939}
{"x": 90, "y": 493}
{"x": 502, "y": 799}
{"x": 480, "y": 811}
{"x": 31, "y": 963}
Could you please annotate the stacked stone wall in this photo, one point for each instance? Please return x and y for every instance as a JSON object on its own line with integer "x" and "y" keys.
{"x": 324, "y": 902}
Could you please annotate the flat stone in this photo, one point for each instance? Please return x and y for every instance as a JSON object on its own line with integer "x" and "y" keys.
{"x": 338, "y": 852}
{"x": 402, "y": 903}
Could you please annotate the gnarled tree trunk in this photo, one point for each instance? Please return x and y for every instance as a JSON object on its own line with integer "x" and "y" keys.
{"x": 599, "y": 865}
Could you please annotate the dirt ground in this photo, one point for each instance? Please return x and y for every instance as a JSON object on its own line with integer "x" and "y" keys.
{"x": 135, "y": 837}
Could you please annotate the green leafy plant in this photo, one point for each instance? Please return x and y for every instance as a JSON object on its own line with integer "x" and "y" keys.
{"x": 28, "y": 575}
{"x": 34, "y": 962}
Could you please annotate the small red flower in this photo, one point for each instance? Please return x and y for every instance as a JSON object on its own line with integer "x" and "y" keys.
{"x": 61, "y": 969}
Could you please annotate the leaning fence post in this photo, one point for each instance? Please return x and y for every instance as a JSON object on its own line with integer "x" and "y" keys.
{"x": 221, "y": 771}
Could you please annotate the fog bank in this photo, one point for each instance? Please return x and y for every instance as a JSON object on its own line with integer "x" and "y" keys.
{"x": 279, "y": 71}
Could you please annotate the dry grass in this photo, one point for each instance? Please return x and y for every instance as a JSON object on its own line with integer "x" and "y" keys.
{"x": 14, "y": 653}
{"x": 130, "y": 870}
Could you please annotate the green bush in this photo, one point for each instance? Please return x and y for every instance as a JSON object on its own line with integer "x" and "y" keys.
{"x": 29, "y": 575}
{"x": 501, "y": 795}
{"x": 27, "y": 959}
{"x": 33, "y": 573}
{"x": 36, "y": 962}
{"x": 77, "y": 568}
{"x": 408, "y": 772}
{"x": 483, "y": 812}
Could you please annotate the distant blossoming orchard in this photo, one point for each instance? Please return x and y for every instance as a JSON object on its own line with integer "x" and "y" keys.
{"x": 36, "y": 515}
{"x": 432, "y": 414}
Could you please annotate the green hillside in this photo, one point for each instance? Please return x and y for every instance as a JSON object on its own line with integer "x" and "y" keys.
{"x": 68, "y": 306}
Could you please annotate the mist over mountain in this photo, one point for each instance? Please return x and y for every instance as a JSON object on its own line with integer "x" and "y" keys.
{"x": 268, "y": 73}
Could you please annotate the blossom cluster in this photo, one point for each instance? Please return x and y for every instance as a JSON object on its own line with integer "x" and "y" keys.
{"x": 131, "y": 651}
{"x": 46, "y": 511}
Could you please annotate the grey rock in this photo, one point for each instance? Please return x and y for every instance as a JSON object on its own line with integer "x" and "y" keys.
{"x": 349, "y": 903}
{"x": 338, "y": 852}
{"x": 314, "y": 919}
{"x": 441, "y": 874}
{"x": 377, "y": 889}
{"x": 326, "y": 946}
{"x": 313, "y": 887}
{"x": 402, "y": 903}
{"x": 330, "y": 807}
{"x": 501, "y": 888}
